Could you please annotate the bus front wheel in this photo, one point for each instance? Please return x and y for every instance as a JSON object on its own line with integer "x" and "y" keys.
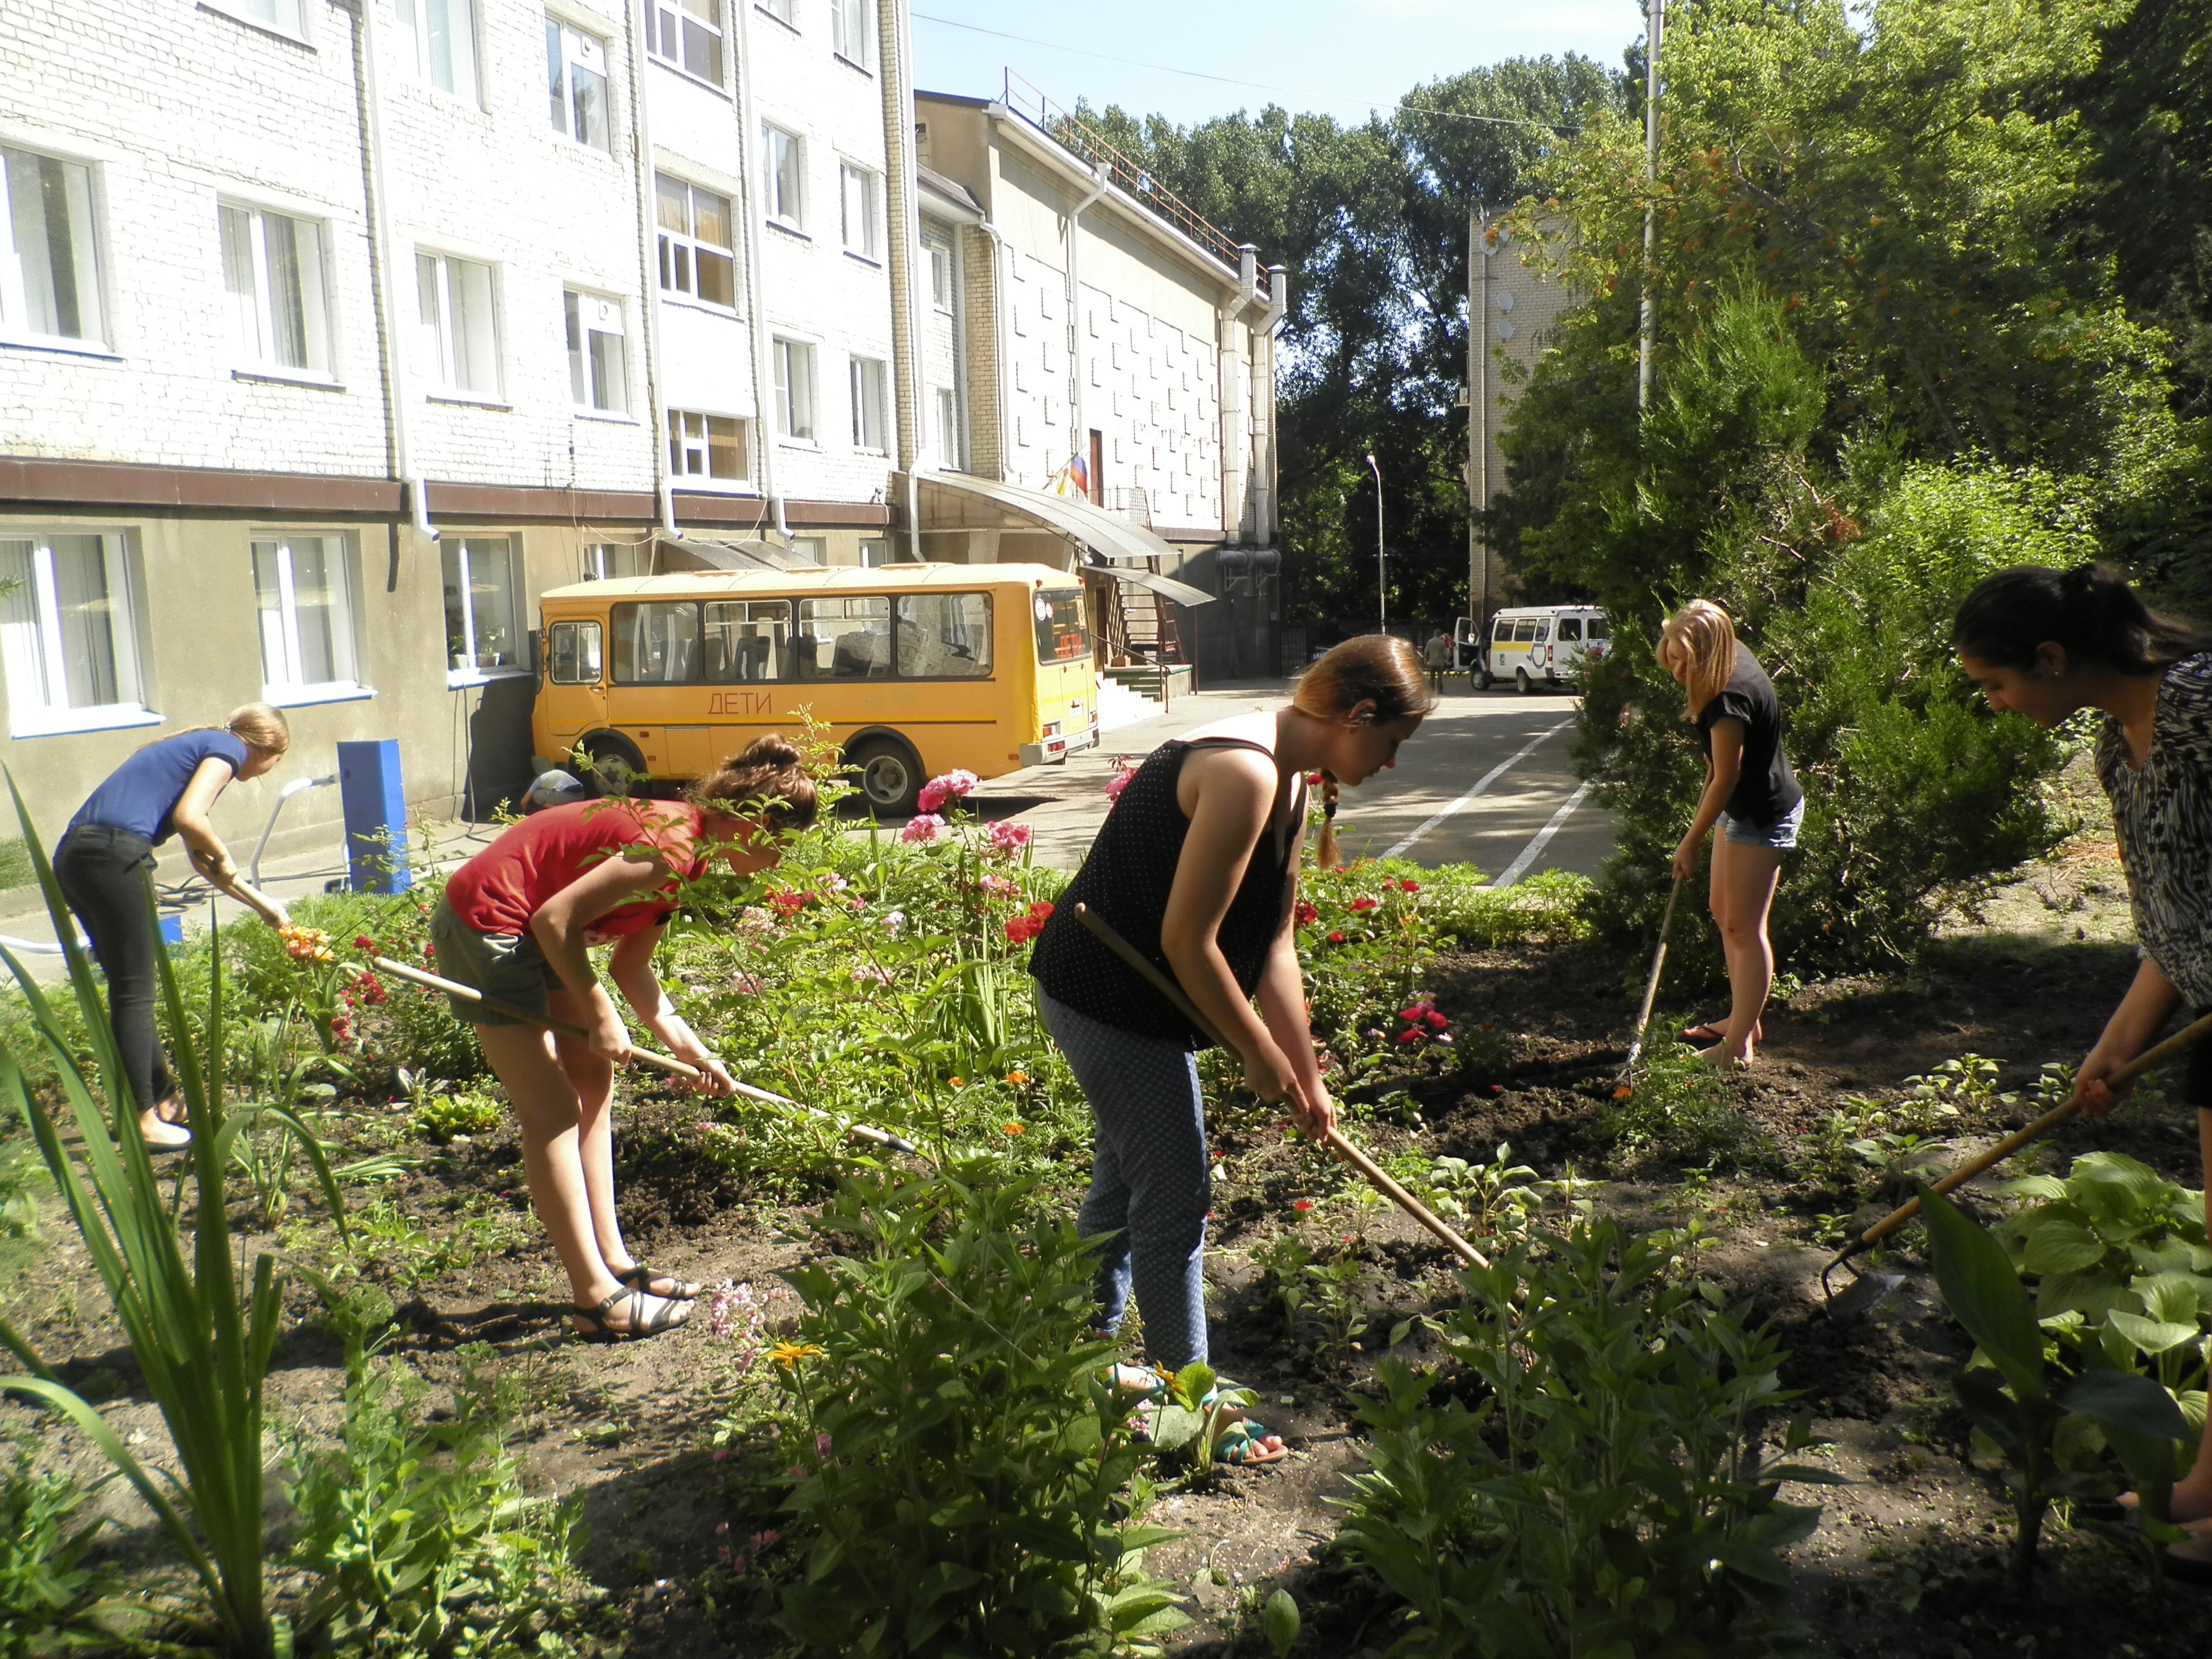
{"x": 888, "y": 774}
{"x": 616, "y": 764}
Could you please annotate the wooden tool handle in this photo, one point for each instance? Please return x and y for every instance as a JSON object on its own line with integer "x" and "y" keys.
{"x": 1376, "y": 1176}
{"x": 430, "y": 982}
{"x": 2187, "y": 1038}
{"x": 1652, "y": 985}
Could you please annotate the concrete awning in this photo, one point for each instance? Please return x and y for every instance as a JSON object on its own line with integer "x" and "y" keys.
{"x": 1166, "y": 587}
{"x": 960, "y": 501}
{"x": 749, "y": 555}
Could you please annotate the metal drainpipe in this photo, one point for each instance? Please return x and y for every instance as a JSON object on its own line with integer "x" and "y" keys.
{"x": 1099, "y": 181}
{"x": 1002, "y": 277}
{"x": 664, "y": 487}
{"x": 379, "y": 253}
{"x": 1279, "y": 302}
{"x": 750, "y": 161}
{"x": 903, "y": 227}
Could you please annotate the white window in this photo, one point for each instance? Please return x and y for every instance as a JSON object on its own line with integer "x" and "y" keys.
{"x": 853, "y": 31}
{"x": 283, "y": 16}
{"x": 708, "y": 447}
{"x": 576, "y": 84}
{"x": 272, "y": 271}
{"x": 858, "y": 210}
{"x": 442, "y": 36}
{"x": 303, "y": 596}
{"x": 49, "y": 282}
{"x": 69, "y": 631}
{"x": 687, "y": 33}
{"x": 784, "y": 157}
{"x": 461, "y": 328}
{"x": 940, "y": 276}
{"x": 948, "y": 427}
{"x": 875, "y": 551}
{"x": 869, "y": 402}
{"x": 794, "y": 390}
{"x": 696, "y": 245}
{"x": 599, "y": 367}
{"x": 810, "y": 549}
{"x": 784, "y": 11}
{"x": 481, "y": 637}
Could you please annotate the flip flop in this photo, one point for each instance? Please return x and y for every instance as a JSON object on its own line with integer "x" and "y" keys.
{"x": 2190, "y": 1563}
{"x": 639, "y": 1277}
{"x": 666, "y": 1317}
{"x": 1704, "y": 1034}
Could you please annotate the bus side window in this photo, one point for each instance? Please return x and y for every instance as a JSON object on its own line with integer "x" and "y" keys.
{"x": 1501, "y": 631}
{"x": 748, "y": 640}
{"x": 944, "y": 636}
{"x": 572, "y": 653}
{"x": 657, "y": 643}
{"x": 1524, "y": 631}
{"x": 845, "y": 639}
{"x": 1570, "y": 628}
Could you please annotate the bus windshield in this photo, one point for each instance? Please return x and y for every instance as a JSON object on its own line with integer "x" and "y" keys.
{"x": 1060, "y": 635}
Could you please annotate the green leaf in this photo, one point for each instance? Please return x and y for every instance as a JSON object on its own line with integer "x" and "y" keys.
{"x": 2120, "y": 1399}
{"x": 1983, "y": 1293}
{"x": 1280, "y": 1620}
{"x": 2153, "y": 1336}
{"x": 2062, "y": 1247}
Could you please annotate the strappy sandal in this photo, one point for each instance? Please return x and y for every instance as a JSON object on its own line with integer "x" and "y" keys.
{"x": 1704, "y": 1034}
{"x": 639, "y": 1277}
{"x": 1239, "y": 1445}
{"x": 666, "y": 1317}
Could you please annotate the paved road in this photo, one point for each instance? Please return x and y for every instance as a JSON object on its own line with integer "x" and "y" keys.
{"x": 1464, "y": 742}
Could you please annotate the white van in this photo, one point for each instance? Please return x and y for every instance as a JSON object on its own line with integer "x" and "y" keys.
{"x": 1547, "y": 644}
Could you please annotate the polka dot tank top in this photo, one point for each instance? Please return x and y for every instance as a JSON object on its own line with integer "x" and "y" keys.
{"x": 1125, "y": 879}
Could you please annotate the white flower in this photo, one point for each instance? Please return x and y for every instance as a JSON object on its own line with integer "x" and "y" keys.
{"x": 894, "y": 923}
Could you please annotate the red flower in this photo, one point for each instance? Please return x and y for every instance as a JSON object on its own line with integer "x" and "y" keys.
{"x": 1302, "y": 1204}
{"x": 1410, "y": 1034}
{"x": 1412, "y": 1016}
{"x": 363, "y": 942}
{"x": 1409, "y": 887}
{"x": 1336, "y": 938}
{"x": 1308, "y": 913}
{"x": 1437, "y": 1021}
{"x": 1361, "y": 906}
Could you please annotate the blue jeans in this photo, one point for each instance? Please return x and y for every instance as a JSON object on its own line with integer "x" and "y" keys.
{"x": 1150, "y": 1185}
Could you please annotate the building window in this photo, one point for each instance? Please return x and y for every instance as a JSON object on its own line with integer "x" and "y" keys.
{"x": 869, "y": 403}
{"x": 708, "y": 447}
{"x": 940, "y": 277}
{"x": 303, "y": 597}
{"x": 576, "y": 84}
{"x": 460, "y": 330}
{"x": 784, "y": 11}
{"x": 696, "y": 246}
{"x": 49, "y": 282}
{"x": 794, "y": 390}
{"x": 948, "y": 427}
{"x": 858, "y": 211}
{"x": 272, "y": 271}
{"x": 605, "y": 561}
{"x": 443, "y": 37}
{"x": 853, "y": 31}
{"x": 784, "y": 157}
{"x": 69, "y": 632}
{"x": 875, "y": 551}
{"x": 810, "y": 549}
{"x": 480, "y": 609}
{"x": 687, "y": 33}
{"x": 283, "y": 16}
{"x": 599, "y": 368}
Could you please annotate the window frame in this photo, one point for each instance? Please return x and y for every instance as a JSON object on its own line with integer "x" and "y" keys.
{"x": 446, "y": 347}
{"x": 786, "y": 214}
{"x": 942, "y": 279}
{"x": 869, "y": 383}
{"x": 584, "y": 360}
{"x": 561, "y": 55}
{"x": 344, "y": 623}
{"x": 679, "y": 443}
{"x": 240, "y": 11}
{"x": 900, "y": 602}
{"x": 619, "y": 615}
{"x": 845, "y": 17}
{"x": 678, "y": 251}
{"x": 786, "y": 353}
{"x": 410, "y": 16}
{"x": 87, "y": 270}
{"x": 577, "y": 626}
{"x": 870, "y": 248}
{"x": 317, "y": 315}
{"x": 716, "y": 31}
{"x": 40, "y": 716}
{"x": 464, "y": 548}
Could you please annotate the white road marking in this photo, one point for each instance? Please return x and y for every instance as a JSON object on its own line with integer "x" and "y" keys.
{"x": 1542, "y": 838}
{"x": 1398, "y": 849}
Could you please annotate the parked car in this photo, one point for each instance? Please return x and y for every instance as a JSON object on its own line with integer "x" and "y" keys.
{"x": 1530, "y": 644}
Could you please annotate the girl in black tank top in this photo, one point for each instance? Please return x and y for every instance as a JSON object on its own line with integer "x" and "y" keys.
{"x": 1196, "y": 867}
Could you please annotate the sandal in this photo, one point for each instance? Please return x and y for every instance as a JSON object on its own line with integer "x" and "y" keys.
{"x": 1136, "y": 1385}
{"x": 666, "y": 1317}
{"x": 639, "y": 1277}
{"x": 1704, "y": 1034}
{"x": 1239, "y": 1445}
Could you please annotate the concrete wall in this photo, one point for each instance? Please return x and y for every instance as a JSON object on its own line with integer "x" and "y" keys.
{"x": 1512, "y": 306}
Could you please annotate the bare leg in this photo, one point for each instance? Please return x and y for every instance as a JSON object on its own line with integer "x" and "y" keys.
{"x": 1743, "y": 882}
{"x": 547, "y": 1109}
{"x": 592, "y": 1078}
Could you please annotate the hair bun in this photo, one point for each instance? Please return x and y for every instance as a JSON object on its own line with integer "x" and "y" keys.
{"x": 774, "y": 749}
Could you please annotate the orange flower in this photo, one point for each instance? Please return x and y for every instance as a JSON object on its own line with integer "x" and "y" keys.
{"x": 957, "y": 1083}
{"x": 1018, "y": 1079}
{"x": 1014, "y": 1129}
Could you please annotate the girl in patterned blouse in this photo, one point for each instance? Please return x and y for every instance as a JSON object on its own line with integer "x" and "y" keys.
{"x": 2046, "y": 644}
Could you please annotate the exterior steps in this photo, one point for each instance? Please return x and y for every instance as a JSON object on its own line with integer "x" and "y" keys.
{"x": 1119, "y": 706}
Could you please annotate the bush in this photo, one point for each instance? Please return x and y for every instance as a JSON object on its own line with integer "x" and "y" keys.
{"x": 48, "y": 1598}
{"x": 1681, "y": 1113}
{"x": 1608, "y": 1494}
{"x": 958, "y": 1473}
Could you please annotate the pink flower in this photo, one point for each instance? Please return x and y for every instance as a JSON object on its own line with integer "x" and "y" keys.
{"x": 1410, "y": 1034}
{"x": 1119, "y": 781}
{"x": 747, "y": 985}
{"x": 923, "y": 826}
{"x": 823, "y": 1443}
{"x": 949, "y": 785}
{"x": 932, "y": 796}
{"x": 1437, "y": 1020}
{"x": 1000, "y": 887}
{"x": 1009, "y": 837}
{"x": 869, "y": 974}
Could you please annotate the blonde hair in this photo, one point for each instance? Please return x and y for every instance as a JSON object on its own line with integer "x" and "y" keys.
{"x": 767, "y": 783}
{"x": 258, "y": 726}
{"x": 1701, "y": 631}
{"x": 1377, "y": 668}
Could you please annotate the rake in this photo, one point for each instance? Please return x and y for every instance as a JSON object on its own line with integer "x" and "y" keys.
{"x": 1651, "y": 993}
{"x": 1868, "y": 1290}
{"x": 1376, "y": 1176}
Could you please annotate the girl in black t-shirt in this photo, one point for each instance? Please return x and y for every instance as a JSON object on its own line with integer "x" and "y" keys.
{"x": 1751, "y": 793}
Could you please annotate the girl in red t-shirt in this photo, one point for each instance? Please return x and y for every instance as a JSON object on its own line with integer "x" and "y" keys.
{"x": 517, "y": 923}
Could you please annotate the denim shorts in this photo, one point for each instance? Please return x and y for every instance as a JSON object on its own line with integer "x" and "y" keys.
{"x": 1781, "y": 835}
{"x": 512, "y": 970}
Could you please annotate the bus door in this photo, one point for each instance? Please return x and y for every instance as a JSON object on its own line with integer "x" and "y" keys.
{"x": 746, "y": 663}
{"x": 573, "y": 697}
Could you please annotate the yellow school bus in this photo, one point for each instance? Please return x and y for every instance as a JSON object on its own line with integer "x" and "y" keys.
{"x": 916, "y": 668}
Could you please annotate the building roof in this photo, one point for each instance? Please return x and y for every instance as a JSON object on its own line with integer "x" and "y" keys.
{"x": 951, "y": 190}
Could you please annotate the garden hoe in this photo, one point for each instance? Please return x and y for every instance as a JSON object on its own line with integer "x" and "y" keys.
{"x": 1376, "y": 1176}
{"x": 645, "y": 1057}
{"x": 1868, "y": 1290}
{"x": 1627, "y": 1084}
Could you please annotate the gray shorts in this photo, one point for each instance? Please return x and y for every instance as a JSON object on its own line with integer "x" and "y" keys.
{"x": 512, "y": 970}
{"x": 1781, "y": 835}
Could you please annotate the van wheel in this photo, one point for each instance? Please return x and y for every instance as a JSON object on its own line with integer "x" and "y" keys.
{"x": 888, "y": 774}
{"x": 615, "y": 765}
{"x": 1521, "y": 683}
{"x": 1482, "y": 680}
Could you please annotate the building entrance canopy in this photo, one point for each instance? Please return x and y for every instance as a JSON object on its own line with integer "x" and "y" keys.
{"x": 1116, "y": 547}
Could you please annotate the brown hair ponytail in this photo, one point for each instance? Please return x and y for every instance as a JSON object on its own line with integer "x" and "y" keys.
{"x": 766, "y": 783}
{"x": 1327, "y": 853}
{"x": 258, "y": 726}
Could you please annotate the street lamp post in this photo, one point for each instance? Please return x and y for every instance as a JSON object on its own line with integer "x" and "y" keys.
{"x": 1381, "y": 588}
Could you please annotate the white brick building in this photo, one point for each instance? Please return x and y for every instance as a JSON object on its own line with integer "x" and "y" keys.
{"x": 285, "y": 284}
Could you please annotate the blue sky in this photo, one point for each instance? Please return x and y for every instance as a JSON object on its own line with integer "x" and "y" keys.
{"x": 1339, "y": 57}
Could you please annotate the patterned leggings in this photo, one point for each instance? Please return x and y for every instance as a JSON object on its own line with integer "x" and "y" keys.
{"x": 1149, "y": 1181}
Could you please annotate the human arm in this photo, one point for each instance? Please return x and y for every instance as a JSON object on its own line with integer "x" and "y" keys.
{"x": 560, "y": 924}
{"x": 205, "y": 848}
{"x": 1721, "y": 770}
{"x": 2149, "y": 1000}
{"x": 630, "y": 967}
{"x": 1233, "y": 791}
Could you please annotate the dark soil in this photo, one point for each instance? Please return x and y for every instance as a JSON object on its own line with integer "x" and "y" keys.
{"x": 1909, "y": 1557}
